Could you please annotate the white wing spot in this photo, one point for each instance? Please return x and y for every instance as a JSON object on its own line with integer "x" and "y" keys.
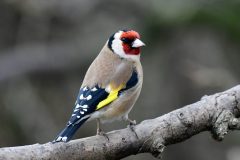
{"x": 81, "y": 97}
{"x": 84, "y": 106}
{"x": 85, "y": 109}
{"x": 84, "y": 117}
{"x": 73, "y": 115}
{"x": 81, "y": 112}
{"x": 78, "y": 116}
{"x": 89, "y": 97}
{"x": 77, "y": 106}
{"x": 59, "y": 138}
{"x": 64, "y": 139}
{"x": 75, "y": 110}
{"x": 85, "y": 89}
{"x": 94, "y": 89}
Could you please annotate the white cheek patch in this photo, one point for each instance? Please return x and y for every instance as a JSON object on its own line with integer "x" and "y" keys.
{"x": 117, "y": 44}
{"x": 117, "y": 47}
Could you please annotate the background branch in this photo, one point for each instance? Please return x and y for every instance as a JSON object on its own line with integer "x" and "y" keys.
{"x": 39, "y": 57}
{"x": 217, "y": 113}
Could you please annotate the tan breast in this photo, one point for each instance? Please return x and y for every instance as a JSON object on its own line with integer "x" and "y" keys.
{"x": 120, "y": 108}
{"x": 108, "y": 68}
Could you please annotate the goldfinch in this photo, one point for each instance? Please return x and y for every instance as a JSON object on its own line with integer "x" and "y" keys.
{"x": 111, "y": 85}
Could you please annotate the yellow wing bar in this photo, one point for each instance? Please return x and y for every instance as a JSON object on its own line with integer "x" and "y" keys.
{"x": 111, "y": 97}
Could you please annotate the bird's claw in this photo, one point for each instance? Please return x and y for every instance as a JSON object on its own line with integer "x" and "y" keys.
{"x": 132, "y": 125}
{"x": 132, "y": 122}
{"x": 101, "y": 133}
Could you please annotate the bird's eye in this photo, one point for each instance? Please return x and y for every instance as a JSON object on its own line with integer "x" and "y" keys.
{"x": 126, "y": 40}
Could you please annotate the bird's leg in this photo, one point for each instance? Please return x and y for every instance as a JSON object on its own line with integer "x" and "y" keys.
{"x": 131, "y": 122}
{"x": 131, "y": 125}
{"x": 100, "y": 131}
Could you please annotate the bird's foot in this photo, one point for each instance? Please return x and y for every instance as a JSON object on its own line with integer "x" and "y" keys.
{"x": 102, "y": 133}
{"x": 131, "y": 126}
{"x": 132, "y": 122}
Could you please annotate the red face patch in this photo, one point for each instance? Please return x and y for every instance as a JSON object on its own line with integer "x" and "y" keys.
{"x": 128, "y": 37}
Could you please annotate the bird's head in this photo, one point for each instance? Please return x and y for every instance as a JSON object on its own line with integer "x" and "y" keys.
{"x": 126, "y": 43}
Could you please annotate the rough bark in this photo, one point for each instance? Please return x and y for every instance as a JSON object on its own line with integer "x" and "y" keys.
{"x": 217, "y": 113}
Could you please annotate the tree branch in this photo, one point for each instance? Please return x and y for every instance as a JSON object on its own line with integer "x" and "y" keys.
{"x": 217, "y": 113}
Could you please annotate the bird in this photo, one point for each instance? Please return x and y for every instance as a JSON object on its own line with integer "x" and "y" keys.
{"x": 111, "y": 85}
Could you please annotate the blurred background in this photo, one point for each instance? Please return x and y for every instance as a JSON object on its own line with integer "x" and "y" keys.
{"x": 46, "y": 47}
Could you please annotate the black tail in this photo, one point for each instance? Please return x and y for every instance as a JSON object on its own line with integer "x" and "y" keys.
{"x": 68, "y": 132}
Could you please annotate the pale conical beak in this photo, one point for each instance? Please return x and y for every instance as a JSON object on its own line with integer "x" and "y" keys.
{"x": 137, "y": 43}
